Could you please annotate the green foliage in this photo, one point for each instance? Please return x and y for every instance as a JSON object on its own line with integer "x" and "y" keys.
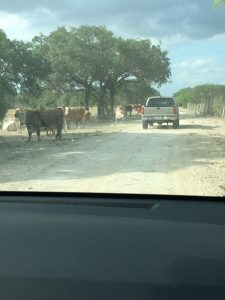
{"x": 218, "y": 105}
{"x": 77, "y": 66}
{"x": 212, "y": 95}
{"x": 217, "y": 3}
{"x": 29, "y": 68}
{"x": 184, "y": 96}
{"x": 7, "y": 84}
{"x": 91, "y": 59}
{"x": 135, "y": 92}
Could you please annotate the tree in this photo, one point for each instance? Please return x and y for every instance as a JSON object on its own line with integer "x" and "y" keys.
{"x": 90, "y": 58}
{"x": 217, "y": 3}
{"x": 30, "y": 68}
{"x": 74, "y": 58}
{"x": 133, "y": 61}
{"x": 211, "y": 95}
{"x": 7, "y": 79}
{"x": 135, "y": 92}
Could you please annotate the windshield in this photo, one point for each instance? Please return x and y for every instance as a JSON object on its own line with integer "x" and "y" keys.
{"x": 161, "y": 102}
{"x": 113, "y": 97}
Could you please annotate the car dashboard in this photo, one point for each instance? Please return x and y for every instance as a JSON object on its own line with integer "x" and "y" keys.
{"x": 90, "y": 246}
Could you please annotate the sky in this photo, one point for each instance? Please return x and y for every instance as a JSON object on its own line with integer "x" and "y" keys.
{"x": 193, "y": 32}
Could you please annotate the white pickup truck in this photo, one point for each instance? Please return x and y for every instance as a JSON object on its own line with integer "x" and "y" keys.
{"x": 160, "y": 110}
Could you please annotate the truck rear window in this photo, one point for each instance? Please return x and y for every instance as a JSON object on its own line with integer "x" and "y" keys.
{"x": 160, "y": 102}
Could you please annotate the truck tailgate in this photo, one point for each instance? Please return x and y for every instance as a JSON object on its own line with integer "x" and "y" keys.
{"x": 157, "y": 111}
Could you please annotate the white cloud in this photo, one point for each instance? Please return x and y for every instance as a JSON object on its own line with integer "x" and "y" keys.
{"x": 195, "y": 64}
{"x": 15, "y": 26}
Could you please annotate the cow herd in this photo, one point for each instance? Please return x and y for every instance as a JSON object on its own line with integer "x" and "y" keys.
{"x": 54, "y": 120}
{"x": 126, "y": 111}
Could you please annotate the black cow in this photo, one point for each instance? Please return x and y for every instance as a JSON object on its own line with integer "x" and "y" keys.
{"x": 128, "y": 108}
{"x": 48, "y": 118}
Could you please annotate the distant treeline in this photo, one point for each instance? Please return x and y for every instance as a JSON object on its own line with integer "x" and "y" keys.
{"x": 211, "y": 95}
{"x": 85, "y": 66}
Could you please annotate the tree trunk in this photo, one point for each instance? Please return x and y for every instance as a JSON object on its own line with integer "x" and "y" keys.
{"x": 112, "y": 99}
{"x": 87, "y": 97}
{"x": 101, "y": 112}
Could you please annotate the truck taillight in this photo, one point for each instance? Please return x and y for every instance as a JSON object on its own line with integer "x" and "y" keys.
{"x": 142, "y": 110}
{"x": 174, "y": 109}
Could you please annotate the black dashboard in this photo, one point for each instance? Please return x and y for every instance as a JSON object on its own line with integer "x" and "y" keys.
{"x": 85, "y": 246}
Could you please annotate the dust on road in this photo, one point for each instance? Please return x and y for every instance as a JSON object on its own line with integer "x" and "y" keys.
{"x": 120, "y": 159}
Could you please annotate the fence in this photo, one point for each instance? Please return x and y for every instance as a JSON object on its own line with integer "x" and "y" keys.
{"x": 201, "y": 108}
{"x": 197, "y": 108}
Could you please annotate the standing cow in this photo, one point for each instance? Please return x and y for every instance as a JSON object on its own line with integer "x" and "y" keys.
{"x": 74, "y": 115}
{"x": 128, "y": 108}
{"x": 138, "y": 108}
{"x": 33, "y": 123}
{"x": 48, "y": 118}
{"x": 119, "y": 115}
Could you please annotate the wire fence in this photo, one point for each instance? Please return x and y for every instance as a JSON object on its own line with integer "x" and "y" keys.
{"x": 201, "y": 108}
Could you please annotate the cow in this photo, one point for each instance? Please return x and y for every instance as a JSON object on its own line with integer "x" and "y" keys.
{"x": 128, "y": 108}
{"x": 119, "y": 114}
{"x": 20, "y": 118}
{"x": 33, "y": 123}
{"x": 10, "y": 125}
{"x": 74, "y": 115}
{"x": 138, "y": 108}
{"x": 48, "y": 118}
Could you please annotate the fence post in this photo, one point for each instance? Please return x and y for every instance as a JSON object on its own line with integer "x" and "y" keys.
{"x": 223, "y": 112}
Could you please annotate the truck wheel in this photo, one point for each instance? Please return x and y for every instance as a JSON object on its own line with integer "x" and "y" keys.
{"x": 144, "y": 125}
{"x": 176, "y": 124}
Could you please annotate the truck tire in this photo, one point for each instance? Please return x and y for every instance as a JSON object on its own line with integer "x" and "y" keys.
{"x": 176, "y": 124}
{"x": 144, "y": 125}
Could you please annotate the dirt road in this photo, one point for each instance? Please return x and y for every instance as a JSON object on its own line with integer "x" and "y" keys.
{"x": 120, "y": 159}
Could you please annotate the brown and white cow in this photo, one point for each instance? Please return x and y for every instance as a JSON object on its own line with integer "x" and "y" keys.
{"x": 74, "y": 115}
{"x": 138, "y": 108}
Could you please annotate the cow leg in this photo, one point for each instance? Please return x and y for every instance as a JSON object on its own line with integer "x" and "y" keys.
{"x": 59, "y": 135}
{"x": 29, "y": 135}
{"x": 58, "y": 132}
{"x": 65, "y": 126}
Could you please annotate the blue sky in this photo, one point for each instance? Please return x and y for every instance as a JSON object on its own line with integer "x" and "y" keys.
{"x": 192, "y": 32}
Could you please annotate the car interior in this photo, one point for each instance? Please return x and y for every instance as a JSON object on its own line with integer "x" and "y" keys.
{"x": 111, "y": 246}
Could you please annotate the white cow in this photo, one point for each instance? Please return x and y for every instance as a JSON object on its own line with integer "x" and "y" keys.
{"x": 119, "y": 115}
{"x": 9, "y": 126}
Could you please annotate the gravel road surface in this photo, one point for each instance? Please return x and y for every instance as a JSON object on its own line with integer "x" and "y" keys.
{"x": 120, "y": 159}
